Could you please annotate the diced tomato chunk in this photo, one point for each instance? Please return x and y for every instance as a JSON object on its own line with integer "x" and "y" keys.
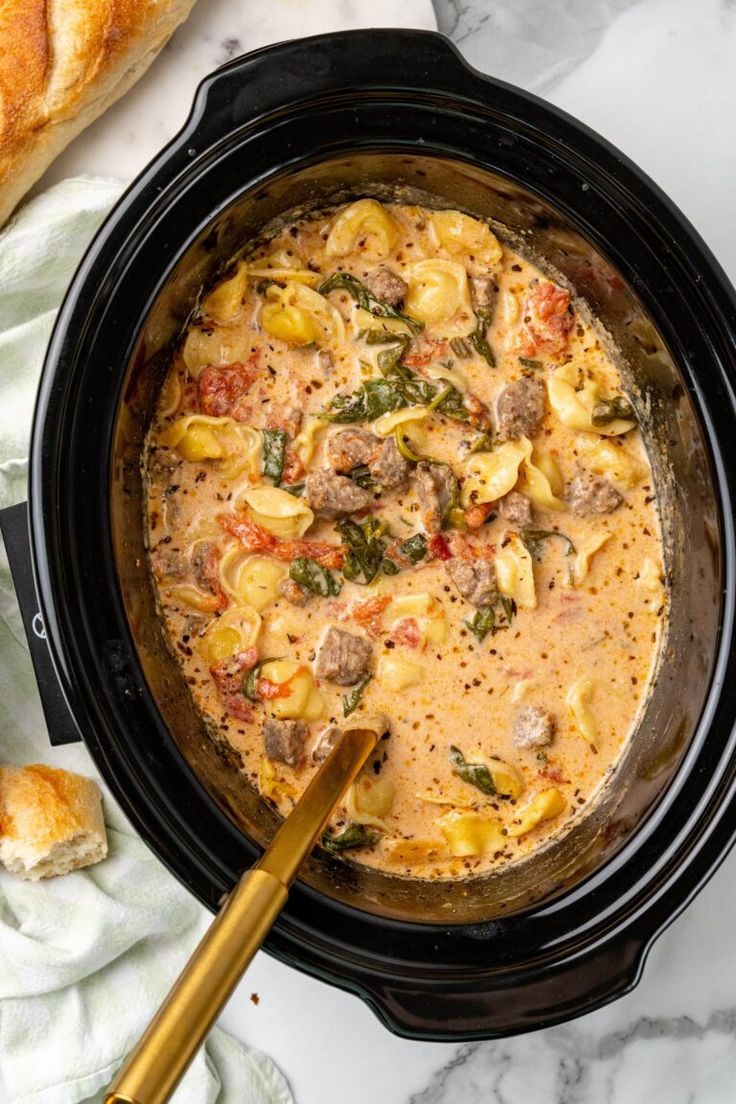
{"x": 425, "y": 351}
{"x": 407, "y": 632}
{"x": 368, "y": 614}
{"x": 267, "y": 690}
{"x": 439, "y": 547}
{"x": 552, "y": 773}
{"x": 254, "y": 538}
{"x": 477, "y": 515}
{"x": 228, "y": 677}
{"x": 548, "y": 319}
{"x": 221, "y": 385}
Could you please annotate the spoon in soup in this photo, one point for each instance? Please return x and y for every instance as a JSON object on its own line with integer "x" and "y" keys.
{"x": 160, "y": 1059}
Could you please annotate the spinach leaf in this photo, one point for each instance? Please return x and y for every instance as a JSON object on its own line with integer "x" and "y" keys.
{"x": 274, "y": 450}
{"x": 250, "y": 680}
{"x": 399, "y": 387}
{"x": 509, "y": 608}
{"x": 484, "y": 622}
{"x": 452, "y": 405}
{"x": 295, "y": 489}
{"x": 383, "y": 337}
{"x": 534, "y": 538}
{"x": 476, "y": 774}
{"x": 351, "y": 701}
{"x": 312, "y": 575}
{"x": 450, "y": 486}
{"x": 362, "y": 476}
{"x": 414, "y": 548}
{"x": 373, "y": 398}
{"x": 479, "y": 341}
{"x": 403, "y": 444}
{"x": 365, "y": 548}
{"x": 527, "y": 362}
{"x": 482, "y": 443}
{"x": 388, "y": 567}
{"x": 355, "y": 835}
{"x": 389, "y": 360}
{"x": 607, "y": 410}
{"x": 364, "y": 297}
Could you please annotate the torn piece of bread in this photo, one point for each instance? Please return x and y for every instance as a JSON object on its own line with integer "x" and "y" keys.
{"x": 50, "y": 821}
{"x": 62, "y": 63}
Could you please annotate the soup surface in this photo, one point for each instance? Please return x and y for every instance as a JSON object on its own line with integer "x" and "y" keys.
{"x": 393, "y": 479}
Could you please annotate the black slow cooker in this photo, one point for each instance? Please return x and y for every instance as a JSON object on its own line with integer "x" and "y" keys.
{"x": 398, "y": 113}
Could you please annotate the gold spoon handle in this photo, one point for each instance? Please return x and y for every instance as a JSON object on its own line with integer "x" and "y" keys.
{"x": 160, "y": 1059}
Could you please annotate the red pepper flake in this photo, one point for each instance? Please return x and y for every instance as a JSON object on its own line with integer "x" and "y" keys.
{"x": 255, "y": 999}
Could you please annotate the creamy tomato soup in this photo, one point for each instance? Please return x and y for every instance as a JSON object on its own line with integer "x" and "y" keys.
{"x": 394, "y": 480}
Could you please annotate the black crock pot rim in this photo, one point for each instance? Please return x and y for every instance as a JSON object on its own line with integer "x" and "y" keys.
{"x": 71, "y": 304}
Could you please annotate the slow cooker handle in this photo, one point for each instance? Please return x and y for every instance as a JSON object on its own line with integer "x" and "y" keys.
{"x": 491, "y": 1007}
{"x": 251, "y": 86}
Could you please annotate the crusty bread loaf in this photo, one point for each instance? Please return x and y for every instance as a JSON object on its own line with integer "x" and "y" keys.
{"x": 50, "y": 821}
{"x": 62, "y": 63}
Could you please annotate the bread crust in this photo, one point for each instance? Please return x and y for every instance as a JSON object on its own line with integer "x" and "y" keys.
{"x": 62, "y": 63}
{"x": 50, "y": 821}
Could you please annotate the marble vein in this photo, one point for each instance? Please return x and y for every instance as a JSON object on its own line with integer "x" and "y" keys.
{"x": 535, "y": 43}
{"x": 570, "y": 1065}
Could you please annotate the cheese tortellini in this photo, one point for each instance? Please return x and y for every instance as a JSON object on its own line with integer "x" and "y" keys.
{"x": 226, "y": 302}
{"x": 491, "y": 475}
{"x": 439, "y": 296}
{"x": 284, "y": 515}
{"x": 282, "y": 267}
{"x": 250, "y": 579}
{"x": 515, "y": 574}
{"x": 470, "y": 834}
{"x": 305, "y": 442}
{"x": 300, "y": 699}
{"x": 578, "y": 700}
{"x": 460, "y": 234}
{"x": 271, "y": 784}
{"x": 367, "y": 222}
{"x": 537, "y": 484}
{"x": 231, "y": 633}
{"x": 574, "y": 404}
{"x": 215, "y": 345}
{"x": 545, "y": 806}
{"x": 397, "y": 674}
{"x": 584, "y": 555}
{"x": 369, "y": 800}
{"x": 615, "y": 463}
{"x": 387, "y": 423}
{"x": 199, "y": 437}
{"x": 299, "y": 315}
{"x": 506, "y": 778}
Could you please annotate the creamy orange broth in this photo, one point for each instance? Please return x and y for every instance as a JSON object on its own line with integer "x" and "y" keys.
{"x": 577, "y": 625}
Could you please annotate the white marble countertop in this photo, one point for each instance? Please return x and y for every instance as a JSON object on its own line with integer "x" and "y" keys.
{"x": 657, "y": 78}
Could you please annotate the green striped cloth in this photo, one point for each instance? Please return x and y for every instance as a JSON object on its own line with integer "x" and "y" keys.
{"x": 84, "y": 959}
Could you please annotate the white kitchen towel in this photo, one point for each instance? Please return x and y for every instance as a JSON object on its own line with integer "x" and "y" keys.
{"x": 84, "y": 959}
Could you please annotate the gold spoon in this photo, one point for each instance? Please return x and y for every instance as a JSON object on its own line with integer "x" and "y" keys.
{"x": 160, "y": 1059}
